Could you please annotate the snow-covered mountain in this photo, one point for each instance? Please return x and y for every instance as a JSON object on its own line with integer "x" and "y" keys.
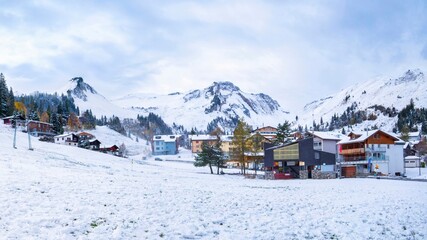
{"x": 86, "y": 97}
{"x": 383, "y": 91}
{"x": 222, "y": 102}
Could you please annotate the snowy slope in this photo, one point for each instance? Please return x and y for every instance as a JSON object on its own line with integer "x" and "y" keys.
{"x": 109, "y": 137}
{"x": 383, "y": 91}
{"x": 63, "y": 192}
{"x": 199, "y": 107}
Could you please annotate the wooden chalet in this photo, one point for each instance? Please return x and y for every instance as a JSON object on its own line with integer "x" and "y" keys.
{"x": 20, "y": 121}
{"x": 37, "y": 128}
{"x": 112, "y": 150}
{"x": 377, "y": 148}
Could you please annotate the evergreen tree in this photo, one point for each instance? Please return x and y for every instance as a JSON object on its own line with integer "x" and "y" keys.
{"x": 4, "y": 97}
{"x": 57, "y": 126}
{"x": 283, "y": 133}
{"x": 209, "y": 156}
{"x": 10, "y": 103}
{"x": 404, "y": 133}
{"x": 218, "y": 162}
{"x": 424, "y": 127}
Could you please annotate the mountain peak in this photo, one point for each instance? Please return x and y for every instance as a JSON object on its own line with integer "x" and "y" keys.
{"x": 225, "y": 86}
{"x": 79, "y": 88}
{"x": 410, "y": 76}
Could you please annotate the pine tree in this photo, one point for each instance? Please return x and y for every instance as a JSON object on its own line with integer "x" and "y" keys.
{"x": 283, "y": 133}
{"x": 219, "y": 161}
{"x": 54, "y": 120}
{"x": 10, "y": 103}
{"x": 209, "y": 156}
{"x": 404, "y": 133}
{"x": 4, "y": 97}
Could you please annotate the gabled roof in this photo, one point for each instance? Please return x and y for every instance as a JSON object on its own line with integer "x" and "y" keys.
{"x": 365, "y": 135}
{"x": 201, "y": 137}
{"x": 12, "y": 117}
{"x": 328, "y": 135}
{"x": 65, "y": 135}
{"x": 94, "y": 140}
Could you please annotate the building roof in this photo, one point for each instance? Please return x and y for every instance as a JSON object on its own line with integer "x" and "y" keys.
{"x": 328, "y": 135}
{"x": 94, "y": 140}
{"x": 363, "y": 136}
{"x": 202, "y": 137}
{"x": 166, "y": 138}
{"x": 414, "y": 134}
{"x": 65, "y": 135}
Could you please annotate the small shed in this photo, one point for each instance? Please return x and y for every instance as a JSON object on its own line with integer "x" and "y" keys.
{"x": 412, "y": 162}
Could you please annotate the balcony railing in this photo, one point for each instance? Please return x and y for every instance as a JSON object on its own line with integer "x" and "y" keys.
{"x": 352, "y": 151}
{"x": 361, "y": 160}
{"x": 376, "y": 149}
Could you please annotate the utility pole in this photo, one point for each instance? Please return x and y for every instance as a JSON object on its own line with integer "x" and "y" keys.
{"x": 29, "y": 137}
{"x": 14, "y": 132}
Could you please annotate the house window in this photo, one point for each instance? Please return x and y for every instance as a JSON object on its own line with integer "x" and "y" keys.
{"x": 388, "y": 146}
{"x": 62, "y": 138}
{"x": 157, "y": 148}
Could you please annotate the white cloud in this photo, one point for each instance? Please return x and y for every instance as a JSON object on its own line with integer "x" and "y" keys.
{"x": 294, "y": 51}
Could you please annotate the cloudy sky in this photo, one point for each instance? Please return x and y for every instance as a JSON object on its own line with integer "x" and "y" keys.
{"x": 294, "y": 51}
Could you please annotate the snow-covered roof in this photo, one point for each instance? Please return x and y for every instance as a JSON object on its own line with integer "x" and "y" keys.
{"x": 414, "y": 134}
{"x": 412, "y": 158}
{"x": 227, "y": 138}
{"x": 65, "y": 135}
{"x": 34, "y": 121}
{"x": 165, "y": 138}
{"x": 366, "y": 135}
{"x": 201, "y": 137}
{"x": 328, "y": 135}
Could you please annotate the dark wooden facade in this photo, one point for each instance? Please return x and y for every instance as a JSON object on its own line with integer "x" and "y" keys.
{"x": 302, "y": 157}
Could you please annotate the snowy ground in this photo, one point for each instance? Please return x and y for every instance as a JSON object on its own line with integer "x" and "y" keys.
{"x": 62, "y": 192}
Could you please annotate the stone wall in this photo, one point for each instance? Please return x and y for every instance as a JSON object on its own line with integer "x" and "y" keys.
{"x": 303, "y": 174}
{"x": 316, "y": 174}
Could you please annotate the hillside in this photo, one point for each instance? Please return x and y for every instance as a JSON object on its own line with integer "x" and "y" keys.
{"x": 389, "y": 93}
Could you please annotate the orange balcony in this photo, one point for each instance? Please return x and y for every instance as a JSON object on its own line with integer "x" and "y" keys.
{"x": 353, "y": 151}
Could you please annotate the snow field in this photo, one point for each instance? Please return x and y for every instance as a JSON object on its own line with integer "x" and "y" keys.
{"x": 62, "y": 192}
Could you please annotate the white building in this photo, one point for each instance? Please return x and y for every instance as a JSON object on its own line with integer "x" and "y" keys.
{"x": 69, "y": 139}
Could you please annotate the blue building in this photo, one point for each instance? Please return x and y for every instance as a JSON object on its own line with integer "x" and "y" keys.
{"x": 165, "y": 145}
